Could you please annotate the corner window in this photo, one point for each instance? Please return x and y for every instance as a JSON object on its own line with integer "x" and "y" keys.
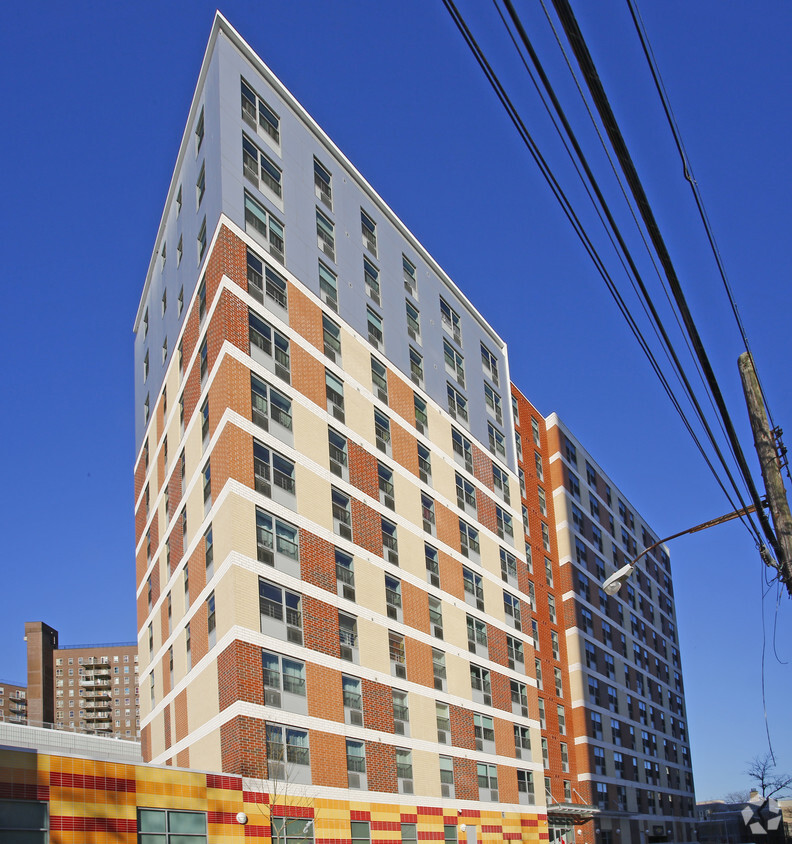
{"x": 258, "y": 115}
{"x": 267, "y": 230}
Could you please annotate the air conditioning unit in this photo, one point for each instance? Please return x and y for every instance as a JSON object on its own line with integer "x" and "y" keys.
{"x": 494, "y": 796}
{"x": 382, "y": 395}
{"x": 511, "y": 663}
{"x": 445, "y": 789}
{"x": 349, "y": 592}
{"x": 524, "y": 710}
{"x": 262, "y": 421}
{"x": 338, "y": 412}
{"x": 276, "y": 770}
{"x": 356, "y": 717}
{"x": 438, "y": 683}
{"x": 406, "y": 786}
{"x": 266, "y": 556}
{"x": 398, "y": 727}
{"x": 518, "y": 751}
{"x": 393, "y": 612}
{"x": 400, "y": 669}
{"x": 264, "y": 487}
{"x": 437, "y": 631}
{"x": 346, "y": 653}
{"x": 442, "y": 737}
{"x": 389, "y": 502}
{"x": 392, "y": 556}
{"x": 354, "y": 780}
{"x": 272, "y": 698}
{"x": 294, "y": 634}
{"x": 479, "y": 744}
{"x": 330, "y": 354}
{"x": 434, "y": 579}
{"x": 487, "y": 700}
{"x": 282, "y": 372}
{"x": 345, "y": 530}
{"x": 410, "y": 331}
{"x": 471, "y": 647}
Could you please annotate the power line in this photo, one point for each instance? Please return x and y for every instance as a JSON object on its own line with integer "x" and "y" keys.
{"x": 688, "y": 171}
{"x": 564, "y": 11}
{"x": 635, "y": 276}
{"x": 573, "y": 219}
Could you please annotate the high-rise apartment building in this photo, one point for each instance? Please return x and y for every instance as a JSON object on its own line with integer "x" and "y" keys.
{"x": 87, "y": 688}
{"x": 353, "y": 564}
{"x": 13, "y": 701}
{"x": 329, "y": 559}
{"x": 632, "y": 748}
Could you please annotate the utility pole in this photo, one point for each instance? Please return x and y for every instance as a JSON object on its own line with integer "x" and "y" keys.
{"x": 771, "y": 470}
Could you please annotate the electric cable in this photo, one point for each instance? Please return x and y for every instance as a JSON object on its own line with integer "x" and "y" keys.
{"x": 635, "y": 274}
{"x": 629, "y": 204}
{"x": 575, "y": 37}
{"x": 572, "y": 217}
{"x": 689, "y": 177}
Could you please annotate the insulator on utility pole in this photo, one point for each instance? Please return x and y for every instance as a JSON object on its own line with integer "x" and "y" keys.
{"x": 771, "y": 471}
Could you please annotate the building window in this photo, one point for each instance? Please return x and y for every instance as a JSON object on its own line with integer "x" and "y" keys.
{"x": 360, "y": 831}
{"x": 474, "y": 591}
{"x": 466, "y": 495}
{"x": 416, "y": 367}
{"x": 342, "y": 514}
{"x": 454, "y": 363}
{"x": 268, "y": 229}
{"x": 504, "y": 524}
{"x": 323, "y": 184}
{"x": 497, "y": 442}
{"x": 487, "y": 781}
{"x": 432, "y": 565}
{"x": 179, "y": 255}
{"x": 469, "y": 540}
{"x": 421, "y": 417}
{"x": 493, "y": 402}
{"x": 393, "y": 598}
{"x": 339, "y": 460}
{"x": 211, "y": 620}
{"x": 410, "y": 278}
{"x": 325, "y": 234}
{"x": 284, "y": 679}
{"x": 345, "y": 575}
{"x": 413, "y": 321}
{"x": 374, "y": 324}
{"x": 404, "y": 770}
{"x": 353, "y": 700}
{"x": 371, "y": 281}
{"x": 500, "y": 480}
{"x": 171, "y": 827}
{"x": 379, "y": 379}
{"x": 514, "y": 652}
{"x": 199, "y": 131}
{"x": 331, "y": 336}
{"x": 269, "y": 405}
{"x": 257, "y": 114}
{"x": 382, "y": 435}
{"x": 463, "y": 450}
{"x": 286, "y": 747}
{"x": 390, "y": 547}
{"x": 369, "y": 230}
{"x": 277, "y": 543}
{"x": 348, "y": 637}
{"x": 457, "y": 404}
{"x": 490, "y": 364}
{"x": 511, "y": 606}
{"x": 280, "y": 611}
{"x": 328, "y": 286}
{"x": 450, "y": 321}
{"x": 509, "y": 568}
{"x": 292, "y": 830}
{"x": 335, "y": 395}
{"x": 200, "y": 190}
{"x": 273, "y": 474}
{"x": 439, "y": 669}
{"x": 356, "y": 766}
{"x": 202, "y": 240}
{"x": 263, "y": 281}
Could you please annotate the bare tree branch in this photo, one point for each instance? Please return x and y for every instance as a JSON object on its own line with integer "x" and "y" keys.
{"x": 762, "y": 771}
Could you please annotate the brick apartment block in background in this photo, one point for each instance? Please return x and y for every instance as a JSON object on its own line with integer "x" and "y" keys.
{"x": 13, "y": 702}
{"x": 87, "y": 688}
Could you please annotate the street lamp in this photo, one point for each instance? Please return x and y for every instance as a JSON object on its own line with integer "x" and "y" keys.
{"x": 612, "y": 584}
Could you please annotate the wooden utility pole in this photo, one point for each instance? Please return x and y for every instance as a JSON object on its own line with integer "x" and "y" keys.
{"x": 771, "y": 470}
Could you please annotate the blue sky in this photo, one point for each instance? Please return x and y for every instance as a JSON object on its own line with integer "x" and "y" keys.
{"x": 95, "y": 97}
